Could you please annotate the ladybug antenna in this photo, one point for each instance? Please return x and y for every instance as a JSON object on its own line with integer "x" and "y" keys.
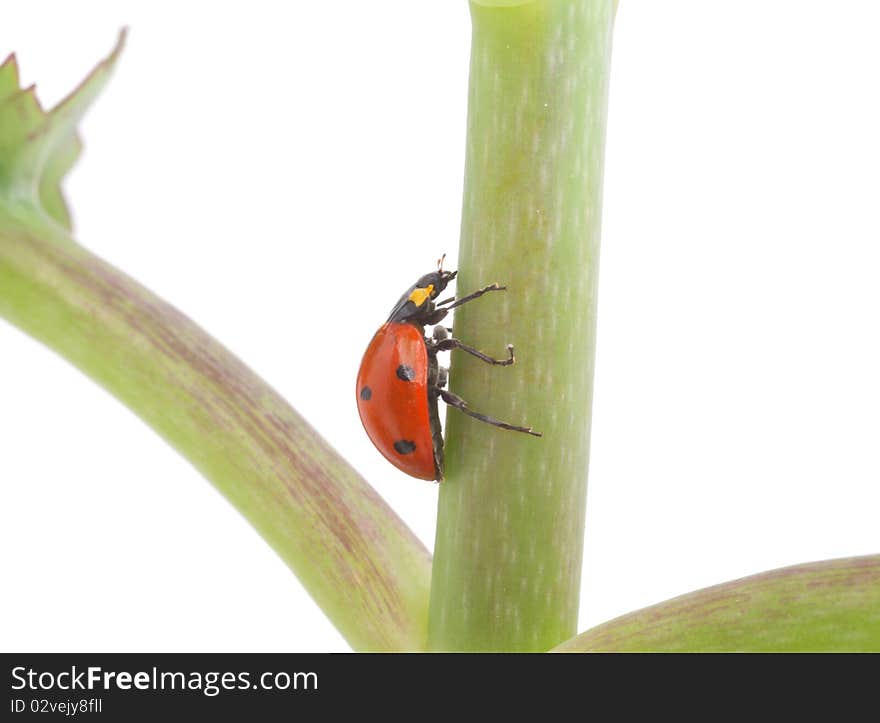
{"x": 440, "y": 263}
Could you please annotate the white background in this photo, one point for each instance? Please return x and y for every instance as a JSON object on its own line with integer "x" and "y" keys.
{"x": 256, "y": 163}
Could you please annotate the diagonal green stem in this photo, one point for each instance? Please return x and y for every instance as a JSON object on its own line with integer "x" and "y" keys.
{"x": 361, "y": 564}
{"x": 830, "y": 606}
{"x": 511, "y": 511}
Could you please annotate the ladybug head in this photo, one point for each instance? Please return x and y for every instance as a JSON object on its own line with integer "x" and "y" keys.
{"x": 440, "y": 279}
{"x": 435, "y": 282}
{"x": 416, "y": 301}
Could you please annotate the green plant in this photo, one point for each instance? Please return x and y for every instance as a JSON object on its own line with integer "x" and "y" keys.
{"x": 500, "y": 581}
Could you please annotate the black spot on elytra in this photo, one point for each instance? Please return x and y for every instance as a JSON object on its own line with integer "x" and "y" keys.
{"x": 366, "y": 393}
{"x": 404, "y": 446}
{"x": 406, "y": 373}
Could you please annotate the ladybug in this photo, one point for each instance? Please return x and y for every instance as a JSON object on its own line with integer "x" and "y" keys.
{"x": 400, "y": 380}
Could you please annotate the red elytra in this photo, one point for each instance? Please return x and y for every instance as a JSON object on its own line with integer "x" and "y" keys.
{"x": 400, "y": 380}
{"x": 393, "y": 399}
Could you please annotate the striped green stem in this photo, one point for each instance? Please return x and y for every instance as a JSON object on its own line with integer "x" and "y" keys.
{"x": 356, "y": 558}
{"x": 831, "y": 606}
{"x": 511, "y": 511}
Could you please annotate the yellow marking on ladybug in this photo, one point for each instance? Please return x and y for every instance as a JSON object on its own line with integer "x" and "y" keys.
{"x": 420, "y": 296}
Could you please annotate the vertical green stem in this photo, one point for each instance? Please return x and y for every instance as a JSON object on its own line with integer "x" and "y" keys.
{"x": 511, "y": 513}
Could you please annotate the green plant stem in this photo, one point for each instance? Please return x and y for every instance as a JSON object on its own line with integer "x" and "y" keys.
{"x": 356, "y": 558}
{"x": 511, "y": 512}
{"x": 821, "y": 606}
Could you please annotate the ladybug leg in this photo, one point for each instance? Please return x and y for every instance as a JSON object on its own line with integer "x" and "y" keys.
{"x": 441, "y": 332}
{"x": 442, "y": 377}
{"x": 447, "y": 343}
{"x": 470, "y": 297}
{"x": 436, "y": 316}
{"x": 456, "y": 401}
